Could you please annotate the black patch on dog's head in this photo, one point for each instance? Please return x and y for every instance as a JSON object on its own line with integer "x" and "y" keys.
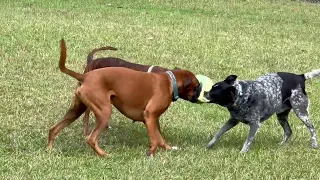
{"x": 223, "y": 92}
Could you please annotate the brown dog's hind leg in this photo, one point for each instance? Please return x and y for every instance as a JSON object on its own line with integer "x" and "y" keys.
{"x": 98, "y": 101}
{"x": 86, "y": 122}
{"x": 73, "y": 113}
{"x": 102, "y": 118}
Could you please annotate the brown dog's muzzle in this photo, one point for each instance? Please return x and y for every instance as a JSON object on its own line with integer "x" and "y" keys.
{"x": 196, "y": 94}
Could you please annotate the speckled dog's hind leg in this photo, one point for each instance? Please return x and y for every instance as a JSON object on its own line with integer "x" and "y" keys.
{"x": 283, "y": 121}
{"x": 300, "y": 105}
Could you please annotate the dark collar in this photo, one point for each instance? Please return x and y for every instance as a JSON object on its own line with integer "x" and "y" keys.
{"x": 174, "y": 85}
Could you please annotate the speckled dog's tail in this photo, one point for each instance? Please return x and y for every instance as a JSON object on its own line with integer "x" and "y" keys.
{"x": 313, "y": 73}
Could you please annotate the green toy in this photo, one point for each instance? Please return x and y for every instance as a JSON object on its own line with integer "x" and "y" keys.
{"x": 206, "y": 84}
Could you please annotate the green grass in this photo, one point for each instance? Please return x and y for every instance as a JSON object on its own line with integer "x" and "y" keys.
{"x": 214, "y": 38}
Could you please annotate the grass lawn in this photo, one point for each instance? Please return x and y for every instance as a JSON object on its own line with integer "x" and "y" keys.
{"x": 214, "y": 38}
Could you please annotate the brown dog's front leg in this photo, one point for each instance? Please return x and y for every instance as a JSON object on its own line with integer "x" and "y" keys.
{"x": 152, "y": 131}
{"x": 156, "y": 139}
{"x": 162, "y": 142}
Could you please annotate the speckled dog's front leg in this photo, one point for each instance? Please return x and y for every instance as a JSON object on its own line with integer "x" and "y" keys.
{"x": 254, "y": 126}
{"x": 226, "y": 127}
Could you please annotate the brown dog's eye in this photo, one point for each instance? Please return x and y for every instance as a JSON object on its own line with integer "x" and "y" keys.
{"x": 187, "y": 82}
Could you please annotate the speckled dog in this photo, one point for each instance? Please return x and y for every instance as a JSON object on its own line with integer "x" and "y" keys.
{"x": 253, "y": 102}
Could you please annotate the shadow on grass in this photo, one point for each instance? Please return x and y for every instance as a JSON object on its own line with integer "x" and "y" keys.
{"x": 128, "y": 136}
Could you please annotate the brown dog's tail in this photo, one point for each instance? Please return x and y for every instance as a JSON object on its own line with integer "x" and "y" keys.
{"x": 62, "y": 62}
{"x": 91, "y": 54}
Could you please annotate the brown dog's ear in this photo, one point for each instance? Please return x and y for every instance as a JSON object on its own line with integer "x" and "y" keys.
{"x": 187, "y": 82}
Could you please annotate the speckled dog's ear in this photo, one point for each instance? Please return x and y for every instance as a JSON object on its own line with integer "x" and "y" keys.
{"x": 230, "y": 79}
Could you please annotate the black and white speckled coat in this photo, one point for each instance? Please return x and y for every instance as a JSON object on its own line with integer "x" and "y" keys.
{"x": 253, "y": 102}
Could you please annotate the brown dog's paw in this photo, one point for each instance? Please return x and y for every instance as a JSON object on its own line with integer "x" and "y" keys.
{"x": 49, "y": 146}
{"x": 48, "y": 149}
{"x": 174, "y": 148}
{"x": 103, "y": 155}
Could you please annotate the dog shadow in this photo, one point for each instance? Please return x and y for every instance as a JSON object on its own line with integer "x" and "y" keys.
{"x": 134, "y": 135}
{"x": 128, "y": 135}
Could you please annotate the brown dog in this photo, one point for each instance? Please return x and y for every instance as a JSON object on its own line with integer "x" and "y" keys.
{"x": 138, "y": 95}
{"x": 111, "y": 62}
